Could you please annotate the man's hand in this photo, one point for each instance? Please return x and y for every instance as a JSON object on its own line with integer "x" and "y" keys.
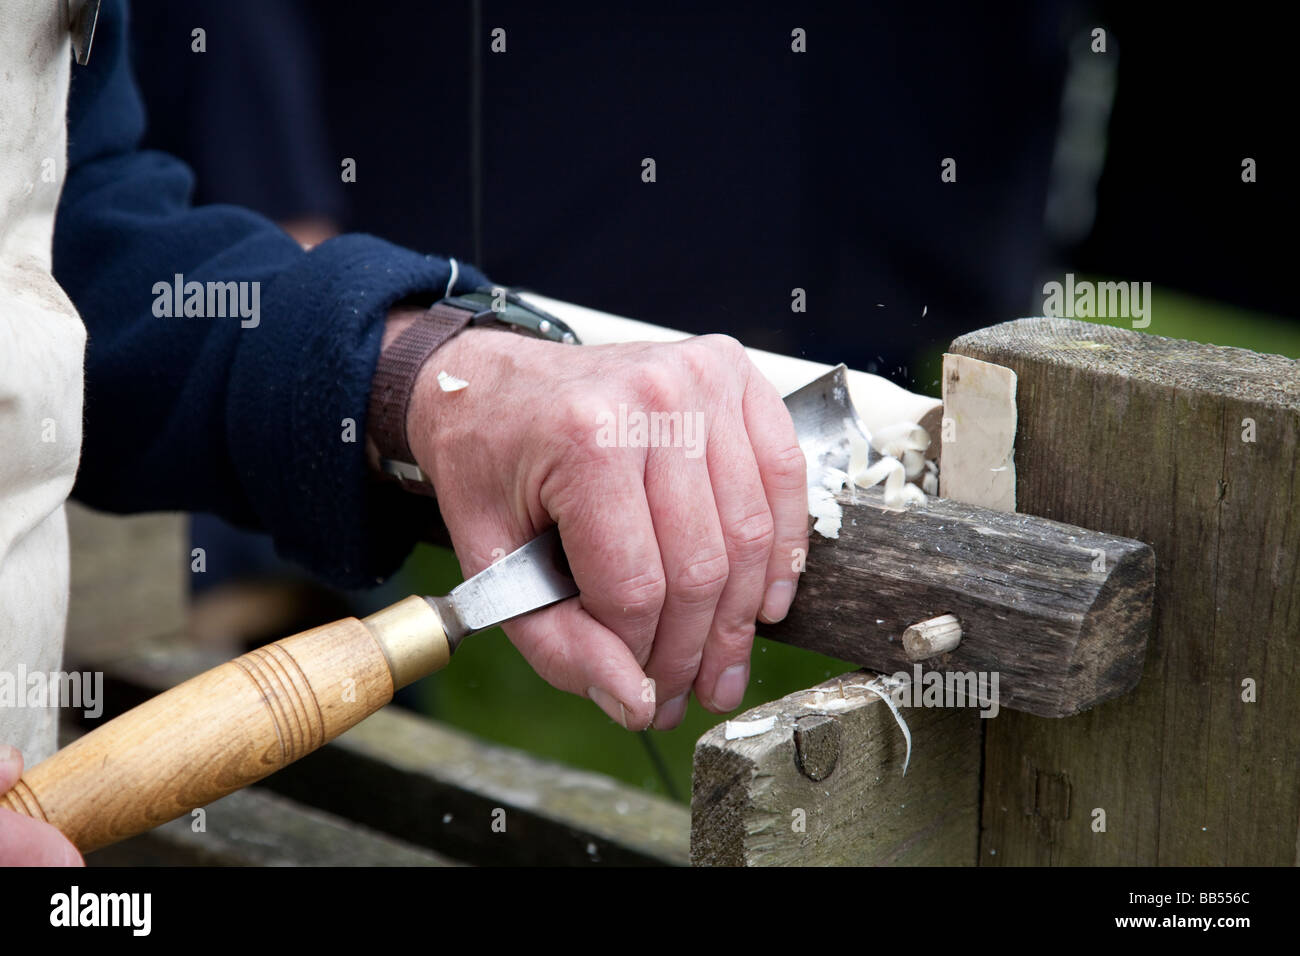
{"x": 24, "y": 841}
{"x": 676, "y": 549}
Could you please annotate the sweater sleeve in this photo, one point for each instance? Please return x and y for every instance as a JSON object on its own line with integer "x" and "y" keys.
{"x": 260, "y": 416}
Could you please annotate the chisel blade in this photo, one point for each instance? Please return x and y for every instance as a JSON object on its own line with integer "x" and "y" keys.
{"x": 533, "y": 577}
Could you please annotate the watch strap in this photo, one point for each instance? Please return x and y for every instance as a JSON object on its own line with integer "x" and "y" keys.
{"x": 394, "y": 382}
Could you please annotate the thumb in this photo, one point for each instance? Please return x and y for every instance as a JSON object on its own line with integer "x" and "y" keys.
{"x": 28, "y": 842}
{"x": 24, "y": 841}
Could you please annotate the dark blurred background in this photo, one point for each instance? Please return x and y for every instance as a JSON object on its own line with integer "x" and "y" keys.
{"x": 774, "y": 170}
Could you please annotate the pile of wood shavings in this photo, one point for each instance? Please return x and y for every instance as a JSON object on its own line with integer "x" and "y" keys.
{"x": 902, "y": 461}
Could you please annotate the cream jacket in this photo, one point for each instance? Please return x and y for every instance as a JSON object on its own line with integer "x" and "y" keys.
{"x": 42, "y": 346}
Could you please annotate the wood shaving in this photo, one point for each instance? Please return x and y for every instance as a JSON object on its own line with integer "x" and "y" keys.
{"x": 913, "y": 463}
{"x": 834, "y": 480}
{"x": 894, "y": 440}
{"x": 823, "y": 506}
{"x": 883, "y": 687}
{"x": 858, "y": 454}
{"x": 738, "y": 729}
{"x": 450, "y": 383}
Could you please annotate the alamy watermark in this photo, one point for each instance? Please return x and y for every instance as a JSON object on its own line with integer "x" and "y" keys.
{"x": 1084, "y": 299}
{"x": 209, "y": 300}
{"x": 638, "y": 429}
{"x": 133, "y": 911}
{"x": 924, "y": 688}
{"x": 40, "y": 689}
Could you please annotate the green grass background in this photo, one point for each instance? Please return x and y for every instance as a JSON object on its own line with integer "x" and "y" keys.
{"x": 490, "y": 691}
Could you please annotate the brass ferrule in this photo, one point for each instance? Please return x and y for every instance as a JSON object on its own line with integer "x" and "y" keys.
{"x": 413, "y": 639}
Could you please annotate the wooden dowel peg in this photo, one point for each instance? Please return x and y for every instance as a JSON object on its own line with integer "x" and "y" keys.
{"x": 939, "y": 635}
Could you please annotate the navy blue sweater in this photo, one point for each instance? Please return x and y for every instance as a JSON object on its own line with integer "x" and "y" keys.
{"x": 203, "y": 414}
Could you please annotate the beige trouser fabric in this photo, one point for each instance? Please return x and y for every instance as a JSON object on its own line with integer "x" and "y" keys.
{"x": 42, "y": 348}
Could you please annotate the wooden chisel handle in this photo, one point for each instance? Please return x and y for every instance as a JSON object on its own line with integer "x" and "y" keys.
{"x": 230, "y": 726}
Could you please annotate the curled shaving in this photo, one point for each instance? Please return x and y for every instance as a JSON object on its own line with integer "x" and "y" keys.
{"x": 882, "y": 689}
{"x": 902, "y": 448}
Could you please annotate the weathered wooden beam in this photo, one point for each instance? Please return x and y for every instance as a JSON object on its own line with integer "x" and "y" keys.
{"x": 1192, "y": 448}
{"x": 1062, "y": 614}
{"x": 255, "y": 828}
{"x": 823, "y": 785}
{"x": 128, "y": 579}
{"x": 473, "y": 800}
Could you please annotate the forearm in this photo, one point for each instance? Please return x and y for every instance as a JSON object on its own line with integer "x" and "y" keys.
{"x": 260, "y": 419}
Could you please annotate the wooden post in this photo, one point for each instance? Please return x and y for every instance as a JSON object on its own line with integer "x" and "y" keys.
{"x": 1193, "y": 449}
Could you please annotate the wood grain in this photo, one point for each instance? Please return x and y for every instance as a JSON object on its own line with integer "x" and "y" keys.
{"x": 252, "y": 827}
{"x": 757, "y": 801}
{"x": 1061, "y": 613}
{"x": 1142, "y": 436}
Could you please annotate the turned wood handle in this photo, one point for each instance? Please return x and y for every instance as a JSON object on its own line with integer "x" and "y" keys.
{"x": 230, "y": 726}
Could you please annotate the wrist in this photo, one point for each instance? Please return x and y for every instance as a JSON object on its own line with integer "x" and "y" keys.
{"x": 407, "y": 397}
{"x": 476, "y": 356}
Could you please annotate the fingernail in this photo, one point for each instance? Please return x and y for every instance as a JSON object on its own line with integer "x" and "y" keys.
{"x": 10, "y": 756}
{"x": 777, "y": 601}
{"x": 730, "y": 688}
{"x": 610, "y": 705}
{"x": 670, "y": 714}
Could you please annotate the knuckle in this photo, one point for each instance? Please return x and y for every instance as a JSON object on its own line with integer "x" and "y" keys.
{"x": 735, "y": 640}
{"x": 702, "y": 578}
{"x": 698, "y": 359}
{"x": 639, "y": 597}
{"x": 787, "y": 469}
{"x": 674, "y": 676}
{"x": 725, "y": 345}
{"x": 707, "y": 355}
{"x": 656, "y": 385}
{"x": 752, "y": 536}
{"x": 580, "y": 417}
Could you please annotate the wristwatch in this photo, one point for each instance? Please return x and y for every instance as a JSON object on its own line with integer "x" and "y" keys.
{"x": 400, "y": 364}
